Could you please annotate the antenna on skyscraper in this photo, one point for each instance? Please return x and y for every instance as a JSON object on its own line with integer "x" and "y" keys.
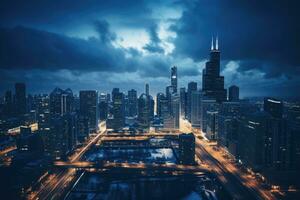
{"x": 217, "y": 43}
{"x": 212, "y": 43}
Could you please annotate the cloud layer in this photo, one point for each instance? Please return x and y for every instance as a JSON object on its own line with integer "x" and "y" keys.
{"x": 105, "y": 44}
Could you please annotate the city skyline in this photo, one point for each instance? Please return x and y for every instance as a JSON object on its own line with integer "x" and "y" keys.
{"x": 131, "y": 43}
{"x": 143, "y": 100}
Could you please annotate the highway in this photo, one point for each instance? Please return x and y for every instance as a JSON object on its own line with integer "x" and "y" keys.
{"x": 239, "y": 184}
{"x": 141, "y": 166}
{"x": 225, "y": 168}
{"x": 55, "y": 186}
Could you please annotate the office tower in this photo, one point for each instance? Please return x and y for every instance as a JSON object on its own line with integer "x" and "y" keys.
{"x": 147, "y": 89}
{"x": 187, "y": 148}
{"x": 132, "y": 103}
{"x": 114, "y": 91}
{"x": 151, "y": 106}
{"x": 59, "y": 136}
{"x": 171, "y": 118}
{"x": 196, "y": 97}
{"x": 212, "y": 125}
{"x": 61, "y": 101}
{"x": 274, "y": 107}
{"x": 20, "y": 98}
{"x": 228, "y": 114}
{"x": 28, "y": 142}
{"x": 88, "y": 108}
{"x": 174, "y": 78}
{"x": 253, "y": 130}
{"x": 144, "y": 111}
{"x": 159, "y": 98}
{"x": 293, "y": 144}
{"x": 192, "y": 86}
{"x": 267, "y": 139}
{"x": 212, "y": 82}
{"x": 82, "y": 128}
{"x": 118, "y": 110}
{"x": 169, "y": 92}
{"x": 71, "y": 122}
{"x": 103, "y": 106}
{"x": 207, "y": 105}
{"x": 183, "y": 102}
{"x": 8, "y": 104}
{"x": 175, "y": 104}
{"x": 277, "y": 134}
{"x": 233, "y": 93}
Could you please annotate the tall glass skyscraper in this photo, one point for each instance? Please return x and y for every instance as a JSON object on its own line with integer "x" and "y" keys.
{"x": 174, "y": 78}
{"x": 212, "y": 82}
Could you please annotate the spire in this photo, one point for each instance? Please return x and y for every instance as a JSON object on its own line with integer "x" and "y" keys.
{"x": 212, "y": 43}
{"x": 217, "y": 44}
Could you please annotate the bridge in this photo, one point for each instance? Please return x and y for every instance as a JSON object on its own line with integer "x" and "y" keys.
{"x": 134, "y": 166}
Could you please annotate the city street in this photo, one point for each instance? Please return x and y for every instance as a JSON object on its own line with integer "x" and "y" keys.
{"x": 55, "y": 185}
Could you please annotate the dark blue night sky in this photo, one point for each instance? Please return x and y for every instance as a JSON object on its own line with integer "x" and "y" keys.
{"x": 96, "y": 44}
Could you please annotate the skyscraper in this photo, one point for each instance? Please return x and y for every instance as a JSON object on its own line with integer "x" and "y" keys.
{"x": 118, "y": 110}
{"x": 274, "y": 107}
{"x": 182, "y": 102}
{"x": 196, "y": 108}
{"x": 192, "y": 86}
{"x": 8, "y": 103}
{"x": 175, "y": 104}
{"x": 88, "y": 107}
{"x": 159, "y": 97}
{"x": 174, "y": 78}
{"x": 132, "y": 103}
{"x": 114, "y": 91}
{"x": 187, "y": 148}
{"x": 233, "y": 93}
{"x": 61, "y": 101}
{"x": 144, "y": 111}
{"x": 212, "y": 82}
{"x": 20, "y": 98}
{"x": 103, "y": 106}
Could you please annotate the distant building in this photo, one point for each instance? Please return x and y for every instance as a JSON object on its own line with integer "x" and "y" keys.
{"x": 8, "y": 104}
{"x": 274, "y": 107}
{"x": 118, "y": 110}
{"x": 151, "y": 106}
{"x": 103, "y": 106}
{"x": 192, "y": 86}
{"x": 28, "y": 142}
{"x": 233, "y": 93}
{"x": 82, "y": 128}
{"x": 207, "y": 105}
{"x": 186, "y": 148}
{"x": 212, "y": 125}
{"x": 171, "y": 117}
{"x": 59, "y": 136}
{"x": 169, "y": 92}
{"x": 262, "y": 141}
{"x": 183, "y": 99}
{"x": 196, "y": 98}
{"x": 132, "y": 103}
{"x": 159, "y": 98}
{"x": 174, "y": 78}
{"x": 61, "y": 101}
{"x": 144, "y": 111}
{"x": 212, "y": 82}
{"x": 20, "y": 98}
{"x": 88, "y": 108}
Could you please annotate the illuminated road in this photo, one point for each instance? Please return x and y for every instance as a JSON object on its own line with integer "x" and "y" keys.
{"x": 55, "y": 186}
{"x": 7, "y": 150}
{"x": 142, "y": 166}
{"x": 239, "y": 184}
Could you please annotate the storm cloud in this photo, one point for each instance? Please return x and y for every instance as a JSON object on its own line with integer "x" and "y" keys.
{"x": 132, "y": 42}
